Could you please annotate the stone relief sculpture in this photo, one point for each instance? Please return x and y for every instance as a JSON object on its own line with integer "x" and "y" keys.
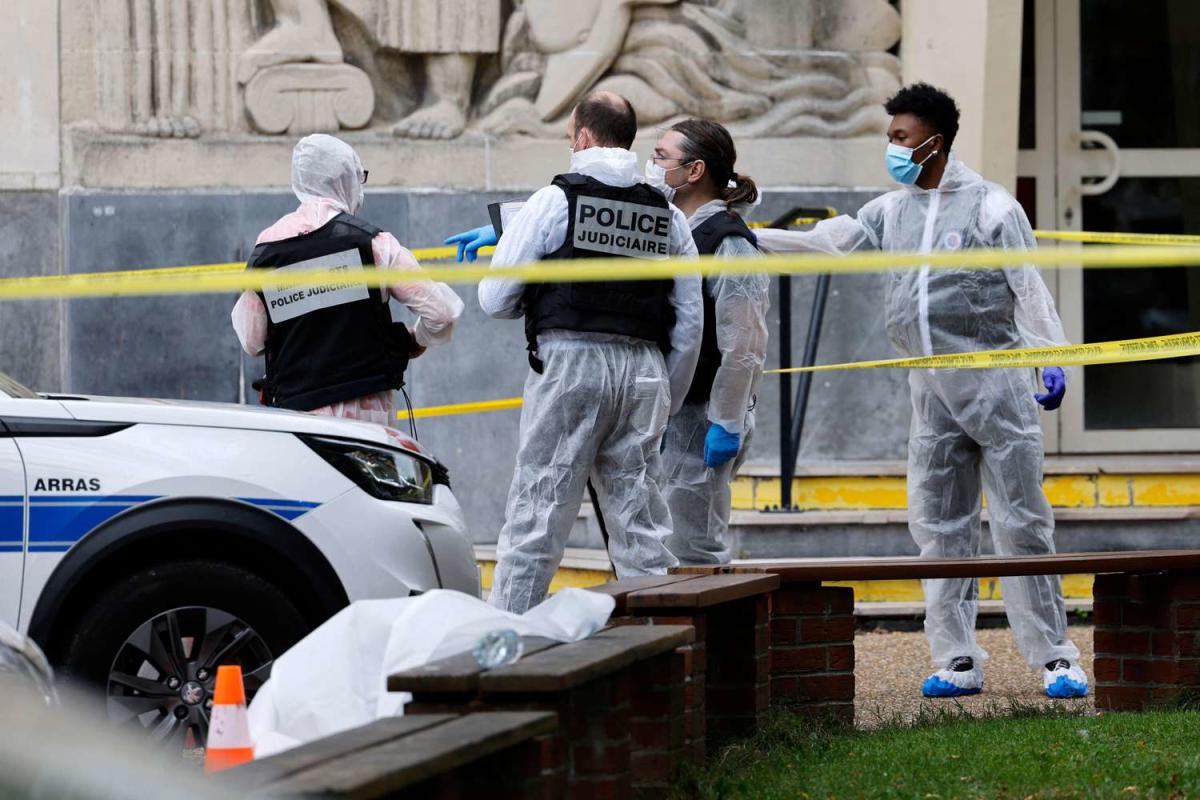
{"x": 432, "y": 69}
{"x": 162, "y": 66}
{"x": 674, "y": 58}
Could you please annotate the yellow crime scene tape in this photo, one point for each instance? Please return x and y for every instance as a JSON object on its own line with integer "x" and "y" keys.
{"x": 1094, "y": 237}
{"x": 221, "y": 278}
{"x": 463, "y": 408}
{"x": 1119, "y": 352}
{"x": 217, "y": 278}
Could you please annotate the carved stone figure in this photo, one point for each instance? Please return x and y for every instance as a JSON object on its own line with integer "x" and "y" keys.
{"x": 162, "y": 66}
{"x": 681, "y": 57}
{"x": 448, "y": 35}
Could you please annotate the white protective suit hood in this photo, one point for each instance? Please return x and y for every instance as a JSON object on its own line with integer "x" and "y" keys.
{"x": 326, "y": 168}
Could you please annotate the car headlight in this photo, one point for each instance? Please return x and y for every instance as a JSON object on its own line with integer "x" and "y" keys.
{"x": 379, "y": 471}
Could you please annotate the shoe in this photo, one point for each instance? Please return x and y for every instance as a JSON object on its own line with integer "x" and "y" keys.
{"x": 1063, "y": 679}
{"x": 959, "y": 679}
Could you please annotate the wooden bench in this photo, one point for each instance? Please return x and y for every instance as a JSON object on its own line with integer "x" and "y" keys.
{"x": 728, "y": 690}
{"x": 428, "y": 756}
{"x": 1146, "y": 609}
{"x": 618, "y": 695}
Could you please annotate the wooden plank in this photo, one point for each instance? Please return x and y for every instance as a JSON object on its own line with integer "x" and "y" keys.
{"x": 457, "y": 673}
{"x": 620, "y": 590}
{"x": 400, "y": 763}
{"x": 703, "y": 591}
{"x": 573, "y": 664}
{"x": 981, "y": 567}
{"x": 275, "y": 768}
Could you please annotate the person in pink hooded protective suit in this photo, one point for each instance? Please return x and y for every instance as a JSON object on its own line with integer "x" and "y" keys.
{"x": 328, "y": 178}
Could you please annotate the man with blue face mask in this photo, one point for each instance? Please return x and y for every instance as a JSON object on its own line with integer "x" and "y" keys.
{"x": 971, "y": 429}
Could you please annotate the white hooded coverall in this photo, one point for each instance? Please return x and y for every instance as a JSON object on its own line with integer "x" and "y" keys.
{"x": 972, "y": 429}
{"x": 327, "y": 178}
{"x": 598, "y": 409}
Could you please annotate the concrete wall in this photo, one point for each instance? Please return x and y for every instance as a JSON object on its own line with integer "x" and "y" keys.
{"x": 29, "y": 107}
{"x": 973, "y": 51}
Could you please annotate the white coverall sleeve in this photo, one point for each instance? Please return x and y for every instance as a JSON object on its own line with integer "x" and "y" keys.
{"x": 435, "y": 304}
{"x": 250, "y": 323}
{"x": 835, "y": 237}
{"x": 742, "y": 303}
{"x": 1036, "y": 316}
{"x": 687, "y": 299}
{"x": 537, "y": 230}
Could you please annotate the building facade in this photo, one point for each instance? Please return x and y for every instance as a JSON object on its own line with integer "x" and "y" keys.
{"x": 149, "y": 133}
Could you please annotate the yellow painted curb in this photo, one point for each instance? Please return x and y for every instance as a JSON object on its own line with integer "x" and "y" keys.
{"x": 888, "y": 493}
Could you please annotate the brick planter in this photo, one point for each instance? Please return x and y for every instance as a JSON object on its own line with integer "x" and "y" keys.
{"x": 812, "y": 651}
{"x": 1147, "y": 639}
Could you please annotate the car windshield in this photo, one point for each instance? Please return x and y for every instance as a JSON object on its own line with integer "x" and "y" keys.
{"x": 15, "y": 389}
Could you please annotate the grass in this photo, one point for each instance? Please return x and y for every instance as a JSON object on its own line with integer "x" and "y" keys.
{"x": 1014, "y": 753}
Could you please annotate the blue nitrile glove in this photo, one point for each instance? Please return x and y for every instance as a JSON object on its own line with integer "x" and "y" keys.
{"x": 1056, "y": 383}
{"x": 469, "y": 242}
{"x": 720, "y": 445}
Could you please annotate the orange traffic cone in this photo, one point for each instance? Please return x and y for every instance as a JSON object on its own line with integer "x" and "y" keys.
{"x": 228, "y": 729}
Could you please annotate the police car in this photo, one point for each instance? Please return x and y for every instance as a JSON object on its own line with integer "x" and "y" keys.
{"x": 143, "y": 542}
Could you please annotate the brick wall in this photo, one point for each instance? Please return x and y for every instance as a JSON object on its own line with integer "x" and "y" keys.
{"x": 812, "y": 650}
{"x": 1147, "y": 639}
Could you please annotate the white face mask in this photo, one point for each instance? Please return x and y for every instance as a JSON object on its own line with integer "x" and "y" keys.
{"x": 656, "y": 178}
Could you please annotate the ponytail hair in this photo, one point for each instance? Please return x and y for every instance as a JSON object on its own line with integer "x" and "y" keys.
{"x": 711, "y": 143}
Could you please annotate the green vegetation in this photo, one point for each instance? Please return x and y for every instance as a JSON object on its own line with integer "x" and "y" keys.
{"x": 1022, "y": 753}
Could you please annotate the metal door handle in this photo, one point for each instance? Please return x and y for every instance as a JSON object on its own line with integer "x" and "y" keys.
{"x": 1106, "y": 142}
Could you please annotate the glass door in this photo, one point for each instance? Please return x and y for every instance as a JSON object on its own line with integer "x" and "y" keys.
{"x": 1127, "y": 153}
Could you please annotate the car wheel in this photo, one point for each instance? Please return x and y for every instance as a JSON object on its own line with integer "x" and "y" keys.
{"x": 154, "y": 640}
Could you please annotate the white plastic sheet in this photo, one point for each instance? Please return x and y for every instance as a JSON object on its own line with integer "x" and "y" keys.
{"x": 335, "y": 678}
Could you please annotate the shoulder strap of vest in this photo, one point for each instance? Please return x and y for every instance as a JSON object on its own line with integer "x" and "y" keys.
{"x": 361, "y": 224}
{"x": 714, "y": 230}
{"x": 574, "y": 179}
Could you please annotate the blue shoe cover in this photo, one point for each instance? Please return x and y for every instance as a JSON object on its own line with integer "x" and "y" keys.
{"x": 1064, "y": 688}
{"x": 936, "y": 687}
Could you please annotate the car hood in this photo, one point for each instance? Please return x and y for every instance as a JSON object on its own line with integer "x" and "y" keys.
{"x": 136, "y": 410}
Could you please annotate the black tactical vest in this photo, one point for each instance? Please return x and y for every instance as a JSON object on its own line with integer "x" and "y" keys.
{"x": 606, "y": 221}
{"x": 329, "y": 344}
{"x": 709, "y": 235}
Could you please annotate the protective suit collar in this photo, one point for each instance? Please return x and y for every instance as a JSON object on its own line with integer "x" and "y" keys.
{"x": 614, "y": 166}
{"x": 957, "y": 176}
{"x": 706, "y": 212}
{"x": 326, "y": 168}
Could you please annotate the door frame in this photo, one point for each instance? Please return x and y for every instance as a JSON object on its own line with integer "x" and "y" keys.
{"x": 1060, "y": 164}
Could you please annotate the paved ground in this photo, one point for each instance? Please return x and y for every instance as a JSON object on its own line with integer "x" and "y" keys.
{"x": 891, "y": 667}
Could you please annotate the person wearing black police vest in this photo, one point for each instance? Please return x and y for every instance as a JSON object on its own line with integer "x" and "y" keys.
{"x": 335, "y": 350}
{"x": 600, "y": 390}
{"x": 693, "y": 165}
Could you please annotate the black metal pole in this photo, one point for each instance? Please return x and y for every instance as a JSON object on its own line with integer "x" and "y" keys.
{"x": 820, "y": 296}
{"x": 787, "y": 458}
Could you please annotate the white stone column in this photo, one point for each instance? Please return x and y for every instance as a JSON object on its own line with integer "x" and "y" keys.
{"x": 29, "y": 99}
{"x": 972, "y": 50}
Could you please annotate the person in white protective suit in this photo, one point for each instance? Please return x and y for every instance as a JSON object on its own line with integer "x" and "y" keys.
{"x": 706, "y": 442}
{"x": 972, "y": 429}
{"x": 338, "y": 353}
{"x": 598, "y": 398}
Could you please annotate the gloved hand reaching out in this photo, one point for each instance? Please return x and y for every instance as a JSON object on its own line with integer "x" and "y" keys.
{"x": 470, "y": 241}
{"x": 1056, "y": 384}
{"x": 720, "y": 445}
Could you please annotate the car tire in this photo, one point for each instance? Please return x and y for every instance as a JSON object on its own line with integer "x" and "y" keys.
{"x": 184, "y": 593}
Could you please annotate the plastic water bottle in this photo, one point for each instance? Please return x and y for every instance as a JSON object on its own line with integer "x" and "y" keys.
{"x": 498, "y": 648}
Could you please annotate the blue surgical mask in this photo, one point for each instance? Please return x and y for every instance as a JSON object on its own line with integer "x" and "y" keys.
{"x": 900, "y": 164}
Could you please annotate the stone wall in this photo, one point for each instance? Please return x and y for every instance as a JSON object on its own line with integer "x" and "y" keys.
{"x": 184, "y": 347}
